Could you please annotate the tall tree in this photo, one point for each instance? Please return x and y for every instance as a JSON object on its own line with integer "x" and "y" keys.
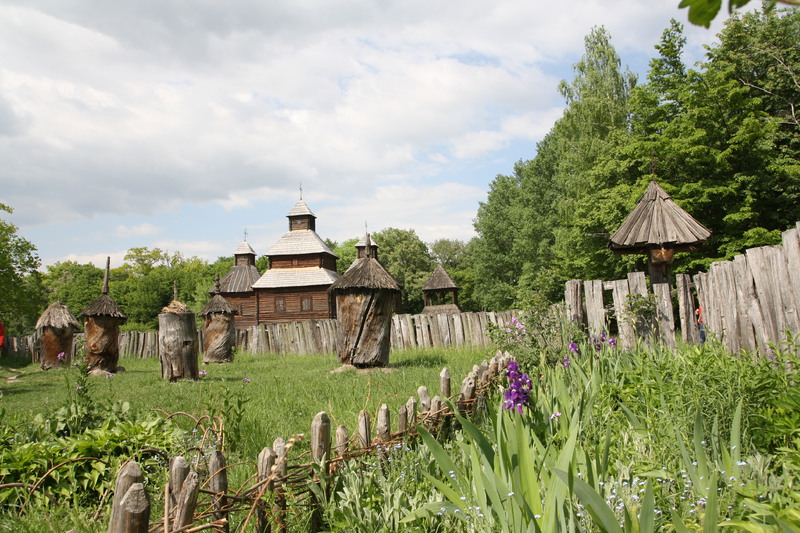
{"x": 21, "y": 300}
{"x": 406, "y": 258}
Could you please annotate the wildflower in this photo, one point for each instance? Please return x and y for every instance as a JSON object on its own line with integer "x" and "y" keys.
{"x": 60, "y": 356}
{"x": 79, "y": 387}
{"x": 555, "y": 415}
{"x": 246, "y": 380}
{"x": 573, "y": 347}
{"x": 612, "y": 342}
{"x": 202, "y": 372}
{"x": 565, "y": 362}
{"x": 519, "y": 387}
{"x": 741, "y": 463}
{"x": 109, "y": 375}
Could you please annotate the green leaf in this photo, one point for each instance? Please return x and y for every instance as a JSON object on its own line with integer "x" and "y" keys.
{"x": 601, "y": 513}
{"x": 647, "y": 514}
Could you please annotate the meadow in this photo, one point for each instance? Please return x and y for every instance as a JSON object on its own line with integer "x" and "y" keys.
{"x": 588, "y": 437}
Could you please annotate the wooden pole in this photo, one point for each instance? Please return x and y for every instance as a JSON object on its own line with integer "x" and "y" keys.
{"x": 364, "y": 430}
{"x": 218, "y": 484}
{"x": 129, "y": 474}
{"x": 134, "y": 511}
{"x": 187, "y": 502}
{"x": 444, "y": 382}
{"x": 266, "y": 461}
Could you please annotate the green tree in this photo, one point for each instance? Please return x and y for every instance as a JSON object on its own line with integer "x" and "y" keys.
{"x": 347, "y": 253}
{"x": 22, "y": 299}
{"x": 457, "y": 258}
{"x": 702, "y": 12}
{"x": 406, "y": 258}
{"x": 73, "y": 284}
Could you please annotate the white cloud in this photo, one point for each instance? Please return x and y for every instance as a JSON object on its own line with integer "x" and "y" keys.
{"x": 137, "y": 109}
{"x": 142, "y": 230}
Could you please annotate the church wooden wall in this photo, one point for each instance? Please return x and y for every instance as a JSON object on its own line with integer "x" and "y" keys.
{"x": 320, "y": 307}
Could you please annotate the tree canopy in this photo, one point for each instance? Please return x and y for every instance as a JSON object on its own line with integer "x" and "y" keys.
{"x": 723, "y": 140}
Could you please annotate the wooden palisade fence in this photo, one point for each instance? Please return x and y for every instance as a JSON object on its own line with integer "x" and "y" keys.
{"x": 750, "y": 303}
{"x": 195, "y": 501}
{"x": 317, "y": 336}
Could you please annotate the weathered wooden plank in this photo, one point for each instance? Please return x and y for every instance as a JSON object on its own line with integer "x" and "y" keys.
{"x": 573, "y": 298}
{"x": 595, "y": 310}
{"x": 664, "y": 314}
{"x": 771, "y": 308}
{"x": 218, "y": 484}
{"x": 747, "y": 307}
{"x": 686, "y": 310}
{"x": 625, "y": 328}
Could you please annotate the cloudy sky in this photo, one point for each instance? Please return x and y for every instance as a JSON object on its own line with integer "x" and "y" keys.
{"x": 179, "y": 123}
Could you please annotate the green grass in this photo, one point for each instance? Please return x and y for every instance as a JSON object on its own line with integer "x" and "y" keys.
{"x": 282, "y": 396}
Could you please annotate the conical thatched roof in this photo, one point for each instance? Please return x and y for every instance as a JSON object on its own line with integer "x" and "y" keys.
{"x": 439, "y": 280}
{"x": 218, "y": 304}
{"x": 57, "y": 316}
{"x": 367, "y": 273}
{"x": 658, "y": 221}
{"x": 104, "y": 305}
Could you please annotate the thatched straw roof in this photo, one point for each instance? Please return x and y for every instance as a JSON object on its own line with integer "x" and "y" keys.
{"x": 658, "y": 221}
{"x": 57, "y": 316}
{"x": 439, "y": 280}
{"x": 367, "y": 273}
{"x": 218, "y": 304}
{"x": 175, "y": 307}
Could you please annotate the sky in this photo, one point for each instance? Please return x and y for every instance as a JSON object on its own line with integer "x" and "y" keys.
{"x": 183, "y": 124}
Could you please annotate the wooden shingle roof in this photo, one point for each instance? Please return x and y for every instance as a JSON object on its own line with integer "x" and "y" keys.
{"x": 300, "y": 209}
{"x": 439, "y": 280}
{"x": 240, "y": 278}
{"x": 104, "y": 305}
{"x": 244, "y": 249}
{"x": 299, "y": 242}
{"x": 218, "y": 304}
{"x": 295, "y": 277}
{"x": 367, "y": 273}
{"x": 658, "y": 221}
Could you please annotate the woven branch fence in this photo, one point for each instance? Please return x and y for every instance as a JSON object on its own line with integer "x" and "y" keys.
{"x": 197, "y": 496}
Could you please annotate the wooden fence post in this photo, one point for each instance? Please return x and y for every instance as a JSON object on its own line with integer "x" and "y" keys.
{"x": 134, "y": 511}
{"x": 187, "y": 502}
{"x": 218, "y": 484}
{"x": 411, "y": 411}
{"x": 424, "y": 401}
{"x": 364, "y": 430}
{"x": 384, "y": 424}
{"x": 444, "y": 382}
{"x": 178, "y": 470}
{"x": 686, "y": 310}
{"x": 321, "y": 453}
{"x": 342, "y": 440}
{"x": 266, "y": 461}
{"x": 281, "y": 470}
{"x": 128, "y": 475}
{"x": 664, "y": 314}
{"x": 402, "y": 420}
{"x": 573, "y": 297}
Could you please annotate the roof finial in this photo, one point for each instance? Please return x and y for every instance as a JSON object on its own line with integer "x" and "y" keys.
{"x": 368, "y": 248}
{"x": 105, "y": 278}
{"x": 217, "y": 289}
{"x": 301, "y": 190}
{"x": 245, "y": 234}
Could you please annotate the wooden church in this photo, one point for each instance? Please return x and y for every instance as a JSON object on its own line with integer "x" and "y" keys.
{"x": 237, "y": 286}
{"x": 301, "y": 269}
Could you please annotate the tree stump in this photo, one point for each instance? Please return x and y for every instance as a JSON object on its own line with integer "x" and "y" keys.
{"x": 178, "y": 346}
